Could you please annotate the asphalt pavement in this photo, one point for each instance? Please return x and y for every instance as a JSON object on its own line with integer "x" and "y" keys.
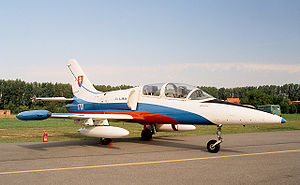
{"x": 254, "y": 158}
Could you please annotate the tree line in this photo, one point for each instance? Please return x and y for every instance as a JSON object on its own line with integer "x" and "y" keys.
{"x": 17, "y": 95}
{"x": 262, "y": 95}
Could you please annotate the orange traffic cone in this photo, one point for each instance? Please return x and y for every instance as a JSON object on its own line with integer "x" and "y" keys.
{"x": 45, "y": 137}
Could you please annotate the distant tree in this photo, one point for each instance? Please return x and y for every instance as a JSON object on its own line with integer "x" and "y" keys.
{"x": 210, "y": 90}
{"x": 285, "y": 106}
{"x": 11, "y": 106}
{"x": 292, "y": 108}
{"x": 23, "y": 108}
{"x": 221, "y": 93}
{"x": 255, "y": 98}
{"x": 17, "y": 95}
{"x": 104, "y": 88}
{"x": 298, "y": 107}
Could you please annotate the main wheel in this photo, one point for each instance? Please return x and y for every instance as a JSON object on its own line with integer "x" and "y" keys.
{"x": 211, "y": 148}
{"x": 105, "y": 141}
{"x": 146, "y": 135}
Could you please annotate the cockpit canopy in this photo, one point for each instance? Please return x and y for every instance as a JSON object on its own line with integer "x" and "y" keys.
{"x": 152, "y": 89}
{"x": 178, "y": 90}
{"x": 175, "y": 90}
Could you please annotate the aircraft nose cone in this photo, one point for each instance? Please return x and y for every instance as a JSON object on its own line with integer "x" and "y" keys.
{"x": 283, "y": 120}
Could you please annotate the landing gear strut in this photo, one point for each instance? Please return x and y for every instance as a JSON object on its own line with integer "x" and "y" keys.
{"x": 213, "y": 146}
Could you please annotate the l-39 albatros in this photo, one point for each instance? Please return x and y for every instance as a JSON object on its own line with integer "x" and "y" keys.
{"x": 159, "y": 107}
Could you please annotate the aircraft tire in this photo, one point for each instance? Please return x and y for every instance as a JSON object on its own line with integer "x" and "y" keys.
{"x": 106, "y": 141}
{"x": 213, "y": 149}
{"x": 146, "y": 135}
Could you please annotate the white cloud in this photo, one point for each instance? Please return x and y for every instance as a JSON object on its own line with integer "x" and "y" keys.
{"x": 209, "y": 74}
{"x": 213, "y": 67}
{"x": 286, "y": 68}
{"x": 228, "y": 74}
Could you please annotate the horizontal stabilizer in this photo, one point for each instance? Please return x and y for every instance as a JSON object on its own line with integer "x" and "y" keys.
{"x": 44, "y": 114}
{"x": 93, "y": 116}
{"x": 60, "y": 99}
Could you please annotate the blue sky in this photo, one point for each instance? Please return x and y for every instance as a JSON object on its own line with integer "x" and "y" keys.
{"x": 213, "y": 43}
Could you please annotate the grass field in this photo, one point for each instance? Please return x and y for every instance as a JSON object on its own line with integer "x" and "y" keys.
{"x": 13, "y": 130}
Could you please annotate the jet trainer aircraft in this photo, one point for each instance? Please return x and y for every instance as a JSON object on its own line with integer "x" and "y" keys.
{"x": 159, "y": 107}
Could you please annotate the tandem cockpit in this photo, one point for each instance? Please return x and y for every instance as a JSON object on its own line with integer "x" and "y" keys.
{"x": 175, "y": 90}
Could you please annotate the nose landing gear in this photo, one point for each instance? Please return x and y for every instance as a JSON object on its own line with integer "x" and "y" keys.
{"x": 213, "y": 146}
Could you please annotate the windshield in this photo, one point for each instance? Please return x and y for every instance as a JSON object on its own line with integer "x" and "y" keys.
{"x": 178, "y": 90}
{"x": 199, "y": 95}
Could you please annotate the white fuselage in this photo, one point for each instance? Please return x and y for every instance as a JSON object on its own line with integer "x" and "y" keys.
{"x": 161, "y": 109}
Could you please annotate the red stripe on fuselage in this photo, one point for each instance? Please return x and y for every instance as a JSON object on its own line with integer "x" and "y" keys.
{"x": 139, "y": 117}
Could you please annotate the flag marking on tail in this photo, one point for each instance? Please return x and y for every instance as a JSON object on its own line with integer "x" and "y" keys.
{"x": 80, "y": 82}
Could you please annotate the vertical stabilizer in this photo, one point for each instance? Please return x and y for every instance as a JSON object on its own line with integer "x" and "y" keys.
{"x": 81, "y": 85}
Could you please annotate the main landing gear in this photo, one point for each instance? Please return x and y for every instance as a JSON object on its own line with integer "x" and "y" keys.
{"x": 105, "y": 141}
{"x": 147, "y": 132}
{"x": 213, "y": 146}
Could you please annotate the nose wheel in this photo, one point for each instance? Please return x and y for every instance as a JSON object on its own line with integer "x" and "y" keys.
{"x": 213, "y": 146}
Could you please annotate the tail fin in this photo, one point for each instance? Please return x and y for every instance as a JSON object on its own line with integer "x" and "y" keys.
{"x": 81, "y": 86}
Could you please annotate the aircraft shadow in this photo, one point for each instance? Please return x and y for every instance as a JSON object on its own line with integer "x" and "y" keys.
{"x": 83, "y": 143}
{"x": 157, "y": 141}
{"x": 167, "y": 142}
{"x": 168, "y": 139}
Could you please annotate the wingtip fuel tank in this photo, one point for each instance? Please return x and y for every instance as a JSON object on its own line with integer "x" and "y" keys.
{"x": 34, "y": 115}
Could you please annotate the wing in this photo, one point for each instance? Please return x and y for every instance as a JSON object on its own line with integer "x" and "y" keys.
{"x": 92, "y": 119}
{"x": 45, "y": 114}
{"x": 92, "y": 116}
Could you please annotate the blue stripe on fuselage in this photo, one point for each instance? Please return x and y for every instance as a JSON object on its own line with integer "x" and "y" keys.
{"x": 181, "y": 116}
{"x": 88, "y": 106}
